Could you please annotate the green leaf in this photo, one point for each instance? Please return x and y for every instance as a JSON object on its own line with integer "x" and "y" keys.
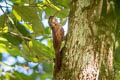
{"x": 32, "y": 15}
{"x": 27, "y": 53}
{"x": 51, "y": 11}
{"x": 2, "y": 48}
{"x": 63, "y": 13}
{"x": 63, "y": 21}
{"x": 0, "y": 59}
{"x": 15, "y": 40}
{"x": 117, "y": 54}
{"x": 22, "y": 29}
{"x": 49, "y": 3}
{"x": 14, "y": 51}
{"x": 3, "y": 39}
{"x": 3, "y": 20}
{"x": 64, "y": 3}
{"x": 8, "y": 49}
{"x": 37, "y": 51}
{"x": 22, "y": 1}
{"x": 48, "y": 30}
{"x": 50, "y": 43}
{"x": 19, "y": 18}
{"x": 48, "y": 67}
{"x": 16, "y": 1}
{"x": 117, "y": 75}
{"x": 28, "y": 1}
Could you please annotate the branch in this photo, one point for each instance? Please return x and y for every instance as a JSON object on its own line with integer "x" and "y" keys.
{"x": 5, "y": 6}
{"x": 20, "y": 35}
{"x": 15, "y": 34}
{"x": 7, "y": 3}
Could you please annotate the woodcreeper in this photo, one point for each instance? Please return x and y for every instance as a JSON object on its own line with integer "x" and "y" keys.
{"x": 58, "y": 36}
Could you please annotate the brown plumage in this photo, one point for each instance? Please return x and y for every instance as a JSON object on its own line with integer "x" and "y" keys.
{"x": 58, "y": 35}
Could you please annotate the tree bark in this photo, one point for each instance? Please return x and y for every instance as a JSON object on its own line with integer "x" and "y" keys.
{"x": 88, "y": 51}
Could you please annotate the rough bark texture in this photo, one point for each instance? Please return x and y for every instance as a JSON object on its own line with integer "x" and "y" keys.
{"x": 88, "y": 51}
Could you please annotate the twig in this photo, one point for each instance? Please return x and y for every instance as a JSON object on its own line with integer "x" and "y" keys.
{"x": 13, "y": 24}
{"x": 5, "y": 6}
{"x": 7, "y": 3}
{"x": 15, "y": 34}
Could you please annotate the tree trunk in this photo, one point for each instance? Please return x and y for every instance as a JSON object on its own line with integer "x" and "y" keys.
{"x": 88, "y": 51}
